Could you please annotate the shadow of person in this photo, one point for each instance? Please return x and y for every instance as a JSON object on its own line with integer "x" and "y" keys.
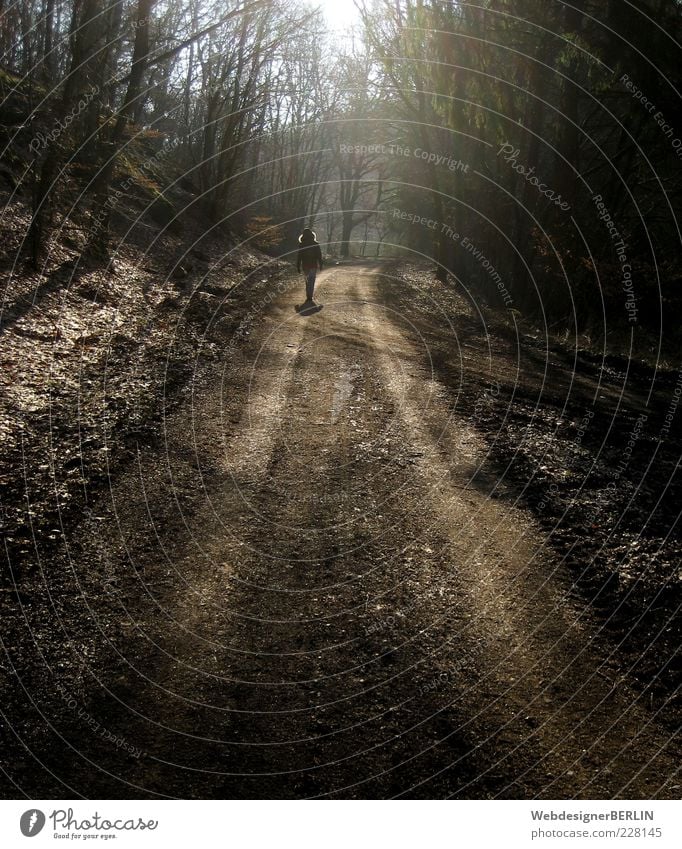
{"x": 308, "y": 308}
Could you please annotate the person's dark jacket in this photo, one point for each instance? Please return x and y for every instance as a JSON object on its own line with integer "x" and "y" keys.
{"x": 310, "y": 256}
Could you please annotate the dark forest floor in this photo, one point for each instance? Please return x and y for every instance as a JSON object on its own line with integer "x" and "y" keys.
{"x": 591, "y": 442}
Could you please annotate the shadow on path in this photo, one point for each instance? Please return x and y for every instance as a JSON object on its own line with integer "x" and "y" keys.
{"x": 308, "y": 308}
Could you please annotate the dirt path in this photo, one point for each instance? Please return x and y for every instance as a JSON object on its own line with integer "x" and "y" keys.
{"x": 321, "y": 596}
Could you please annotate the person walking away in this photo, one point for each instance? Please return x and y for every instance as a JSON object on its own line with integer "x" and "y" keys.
{"x": 309, "y": 260}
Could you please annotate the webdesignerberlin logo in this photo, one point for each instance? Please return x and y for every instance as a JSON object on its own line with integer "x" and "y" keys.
{"x": 32, "y": 822}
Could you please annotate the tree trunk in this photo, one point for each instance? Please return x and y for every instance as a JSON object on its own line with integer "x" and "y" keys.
{"x": 98, "y": 244}
{"x": 569, "y": 131}
{"x": 48, "y": 60}
{"x": 347, "y": 227}
{"x": 83, "y": 37}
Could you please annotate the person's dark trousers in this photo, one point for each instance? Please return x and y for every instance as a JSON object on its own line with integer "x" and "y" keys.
{"x": 310, "y": 277}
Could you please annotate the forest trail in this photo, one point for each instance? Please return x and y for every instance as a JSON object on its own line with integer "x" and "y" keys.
{"x": 334, "y": 601}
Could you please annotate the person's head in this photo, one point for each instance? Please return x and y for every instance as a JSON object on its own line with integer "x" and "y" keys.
{"x": 307, "y": 237}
